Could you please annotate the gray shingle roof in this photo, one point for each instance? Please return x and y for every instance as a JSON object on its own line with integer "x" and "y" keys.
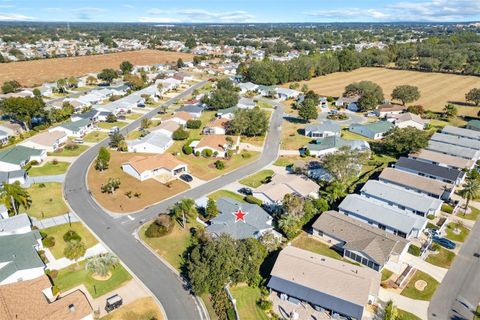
{"x": 359, "y": 236}
{"x": 255, "y": 220}
{"x": 157, "y": 139}
{"x": 429, "y": 169}
{"x": 336, "y": 142}
{"x": 6, "y": 176}
{"x": 456, "y": 140}
{"x": 383, "y": 214}
{"x": 192, "y": 108}
{"x": 453, "y": 150}
{"x": 14, "y": 223}
{"x": 327, "y": 125}
{"x": 400, "y": 196}
{"x": 462, "y": 132}
{"x": 76, "y": 125}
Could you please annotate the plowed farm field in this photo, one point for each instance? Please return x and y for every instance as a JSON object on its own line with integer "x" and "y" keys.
{"x": 31, "y": 73}
{"x": 436, "y": 89}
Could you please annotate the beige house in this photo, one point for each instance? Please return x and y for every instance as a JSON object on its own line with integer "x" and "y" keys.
{"x": 166, "y": 127}
{"x": 163, "y": 167}
{"x": 216, "y": 126}
{"x": 282, "y": 184}
{"x": 407, "y": 119}
{"x": 180, "y": 117}
{"x": 49, "y": 141}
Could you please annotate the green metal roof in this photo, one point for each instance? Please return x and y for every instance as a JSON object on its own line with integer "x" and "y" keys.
{"x": 76, "y": 125}
{"x": 20, "y": 253}
{"x": 376, "y": 127}
{"x": 18, "y": 154}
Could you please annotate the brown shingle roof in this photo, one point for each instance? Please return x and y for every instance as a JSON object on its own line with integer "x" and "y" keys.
{"x": 442, "y": 158}
{"x": 166, "y": 125}
{"x": 181, "y": 115}
{"x": 218, "y": 122}
{"x": 24, "y": 300}
{"x": 215, "y": 142}
{"x": 144, "y": 163}
{"x": 390, "y": 107}
{"x": 47, "y": 138}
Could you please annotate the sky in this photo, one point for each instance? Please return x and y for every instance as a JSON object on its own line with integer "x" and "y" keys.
{"x": 240, "y": 11}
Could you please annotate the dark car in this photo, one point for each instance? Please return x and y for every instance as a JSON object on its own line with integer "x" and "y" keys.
{"x": 444, "y": 242}
{"x": 186, "y": 177}
{"x": 245, "y": 191}
{"x": 113, "y": 303}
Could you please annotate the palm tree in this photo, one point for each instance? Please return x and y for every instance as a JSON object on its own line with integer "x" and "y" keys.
{"x": 335, "y": 191}
{"x": 391, "y": 311}
{"x": 184, "y": 210}
{"x": 14, "y": 196}
{"x": 471, "y": 189}
{"x": 101, "y": 263}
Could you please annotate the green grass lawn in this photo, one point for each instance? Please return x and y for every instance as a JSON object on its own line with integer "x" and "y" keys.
{"x": 386, "y": 274}
{"x": 58, "y": 231}
{"x": 226, "y": 193}
{"x": 134, "y": 116}
{"x": 443, "y": 258}
{"x": 47, "y": 201}
{"x": 246, "y": 298}
{"x": 69, "y": 153}
{"x": 405, "y": 315}
{"x": 132, "y": 135}
{"x": 209, "y": 305}
{"x": 76, "y": 274}
{"x": 263, "y": 104}
{"x": 477, "y": 315}
{"x": 473, "y": 215}
{"x": 283, "y": 162}
{"x": 303, "y": 241}
{"x": 109, "y": 125}
{"x": 411, "y": 292}
{"x": 460, "y": 237}
{"x": 255, "y": 180}
{"x": 95, "y": 136}
{"x": 49, "y": 169}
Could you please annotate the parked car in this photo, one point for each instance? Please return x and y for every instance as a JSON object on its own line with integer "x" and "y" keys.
{"x": 113, "y": 302}
{"x": 444, "y": 242}
{"x": 186, "y": 177}
{"x": 113, "y": 130}
{"x": 78, "y": 140}
{"x": 245, "y": 191}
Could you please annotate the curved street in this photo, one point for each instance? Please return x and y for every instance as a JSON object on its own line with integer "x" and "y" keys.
{"x": 118, "y": 232}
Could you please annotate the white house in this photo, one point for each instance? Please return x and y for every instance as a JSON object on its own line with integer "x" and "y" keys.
{"x": 247, "y": 86}
{"x": 49, "y": 141}
{"x": 152, "y": 143}
{"x": 408, "y": 119}
{"x": 374, "y": 130}
{"x": 163, "y": 167}
{"x": 75, "y": 129}
{"x": 285, "y": 93}
{"x": 246, "y": 103}
{"x": 216, "y": 126}
{"x": 323, "y": 129}
{"x": 348, "y": 102}
{"x": 15, "y": 158}
{"x": 166, "y": 127}
{"x": 180, "y": 117}
{"x": 385, "y": 110}
{"x": 218, "y": 144}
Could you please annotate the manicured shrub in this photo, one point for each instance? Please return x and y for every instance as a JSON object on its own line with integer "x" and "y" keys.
{"x": 431, "y": 217}
{"x": 187, "y": 149}
{"x": 265, "y": 304}
{"x": 71, "y": 235}
{"x": 447, "y": 208}
{"x": 219, "y": 164}
{"x": 194, "y": 124}
{"x": 414, "y": 250}
{"x": 160, "y": 227}
{"x": 207, "y": 153}
{"x": 48, "y": 242}
{"x": 197, "y": 153}
{"x": 180, "y": 134}
{"x": 246, "y": 155}
{"x": 251, "y": 199}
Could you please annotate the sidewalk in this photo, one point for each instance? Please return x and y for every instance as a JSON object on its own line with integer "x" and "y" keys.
{"x": 54, "y": 221}
{"x": 436, "y": 272}
{"x": 417, "y": 307}
{"x": 54, "y": 264}
{"x": 43, "y": 179}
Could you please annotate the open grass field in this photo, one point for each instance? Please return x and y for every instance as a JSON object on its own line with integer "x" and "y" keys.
{"x": 31, "y": 73}
{"x": 437, "y": 89}
{"x": 143, "y": 308}
{"x": 151, "y": 190}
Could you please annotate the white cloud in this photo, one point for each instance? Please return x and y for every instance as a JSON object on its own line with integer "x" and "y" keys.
{"x": 430, "y": 10}
{"x": 159, "y": 19}
{"x": 195, "y": 15}
{"x": 87, "y": 13}
{"x": 14, "y": 17}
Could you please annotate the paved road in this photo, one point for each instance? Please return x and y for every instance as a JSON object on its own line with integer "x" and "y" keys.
{"x": 118, "y": 235}
{"x": 458, "y": 295}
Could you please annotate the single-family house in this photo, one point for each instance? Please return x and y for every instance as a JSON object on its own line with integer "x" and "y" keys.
{"x": 195, "y": 110}
{"x": 401, "y": 198}
{"x": 219, "y": 144}
{"x": 382, "y": 216}
{"x": 433, "y": 188}
{"x": 247, "y": 86}
{"x": 442, "y": 159}
{"x": 166, "y": 127}
{"x": 90, "y": 99}
{"x": 153, "y": 142}
{"x": 19, "y": 259}
{"x": 330, "y": 144}
{"x": 216, "y": 126}
{"x": 246, "y": 103}
{"x": 456, "y": 140}
{"x": 473, "y": 125}
{"x": 180, "y": 117}
{"x": 432, "y": 171}
{"x": 18, "y": 224}
{"x": 341, "y": 289}
{"x": 385, "y": 110}
{"x": 168, "y": 84}
{"x": 360, "y": 242}
{"x": 453, "y": 150}
{"x": 13, "y": 176}
{"x": 239, "y": 220}
{"x": 75, "y": 129}
{"x": 323, "y": 129}
{"x": 15, "y": 158}
{"x": 163, "y": 167}
{"x": 47, "y": 140}
{"x": 12, "y": 129}
{"x": 348, "y": 102}
{"x": 462, "y": 132}
{"x": 77, "y": 105}
{"x": 285, "y": 93}
{"x": 228, "y": 113}
{"x": 407, "y": 119}
{"x": 267, "y": 91}
{"x": 91, "y": 115}
{"x": 282, "y": 184}
{"x": 4, "y": 137}
{"x": 374, "y": 130}
{"x": 34, "y": 299}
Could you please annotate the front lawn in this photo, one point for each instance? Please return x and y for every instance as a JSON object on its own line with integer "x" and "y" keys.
{"x": 405, "y": 315}
{"x": 456, "y": 232}
{"x": 442, "y": 258}
{"x": 292, "y": 134}
{"x": 386, "y": 274}
{"x": 226, "y": 194}
{"x": 134, "y": 116}
{"x": 473, "y": 215}
{"x": 412, "y": 292}
{"x": 283, "y": 161}
{"x": 256, "y": 179}
{"x": 49, "y": 169}
{"x": 353, "y": 136}
{"x": 75, "y": 275}
{"x": 69, "y": 153}
{"x": 47, "y": 200}
{"x": 58, "y": 231}
{"x": 254, "y": 141}
{"x": 143, "y": 308}
{"x": 133, "y": 135}
{"x": 263, "y": 104}
{"x": 95, "y": 136}
{"x": 109, "y": 125}
{"x": 303, "y": 241}
{"x": 246, "y": 299}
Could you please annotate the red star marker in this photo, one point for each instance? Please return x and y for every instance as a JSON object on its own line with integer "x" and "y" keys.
{"x": 239, "y": 215}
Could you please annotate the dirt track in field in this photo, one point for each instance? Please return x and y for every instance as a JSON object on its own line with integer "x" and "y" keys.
{"x": 30, "y": 73}
{"x": 437, "y": 89}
